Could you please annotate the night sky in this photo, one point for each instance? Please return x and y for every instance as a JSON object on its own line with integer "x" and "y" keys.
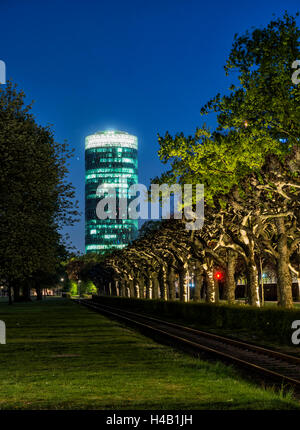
{"x": 144, "y": 67}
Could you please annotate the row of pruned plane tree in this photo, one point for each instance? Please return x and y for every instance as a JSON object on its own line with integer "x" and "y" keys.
{"x": 235, "y": 239}
{"x": 249, "y": 166}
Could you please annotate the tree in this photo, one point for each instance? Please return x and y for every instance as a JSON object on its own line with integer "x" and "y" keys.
{"x": 35, "y": 198}
{"x": 258, "y": 130}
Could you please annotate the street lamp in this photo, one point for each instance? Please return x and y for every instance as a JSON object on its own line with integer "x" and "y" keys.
{"x": 57, "y": 290}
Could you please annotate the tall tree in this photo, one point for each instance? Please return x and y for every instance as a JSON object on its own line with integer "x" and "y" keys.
{"x": 258, "y": 129}
{"x": 35, "y": 198}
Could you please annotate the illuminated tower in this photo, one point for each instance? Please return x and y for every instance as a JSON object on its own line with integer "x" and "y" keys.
{"x": 110, "y": 158}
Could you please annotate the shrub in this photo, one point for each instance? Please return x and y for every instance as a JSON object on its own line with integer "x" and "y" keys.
{"x": 73, "y": 288}
{"x": 265, "y": 323}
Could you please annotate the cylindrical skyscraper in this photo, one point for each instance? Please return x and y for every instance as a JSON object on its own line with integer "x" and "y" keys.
{"x": 110, "y": 158}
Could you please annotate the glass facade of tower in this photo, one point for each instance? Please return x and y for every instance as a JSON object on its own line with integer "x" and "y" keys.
{"x": 110, "y": 158}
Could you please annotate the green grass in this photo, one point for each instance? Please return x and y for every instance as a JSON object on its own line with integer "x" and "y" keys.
{"x": 62, "y": 356}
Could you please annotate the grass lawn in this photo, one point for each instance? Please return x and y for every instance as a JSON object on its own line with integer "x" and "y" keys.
{"x": 62, "y": 356}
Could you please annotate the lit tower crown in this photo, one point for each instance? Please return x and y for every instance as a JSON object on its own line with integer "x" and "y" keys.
{"x": 110, "y": 158}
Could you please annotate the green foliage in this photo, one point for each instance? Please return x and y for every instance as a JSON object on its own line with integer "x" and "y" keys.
{"x": 262, "y": 109}
{"x": 87, "y": 287}
{"x": 67, "y": 285}
{"x": 35, "y": 198}
{"x": 73, "y": 288}
{"x": 250, "y": 163}
{"x": 91, "y": 288}
{"x": 79, "y": 267}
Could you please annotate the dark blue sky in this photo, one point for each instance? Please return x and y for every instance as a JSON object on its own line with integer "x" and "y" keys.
{"x": 140, "y": 66}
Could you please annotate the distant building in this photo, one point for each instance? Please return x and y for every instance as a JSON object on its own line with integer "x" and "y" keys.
{"x": 110, "y": 158}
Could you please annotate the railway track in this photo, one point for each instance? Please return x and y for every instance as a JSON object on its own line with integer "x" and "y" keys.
{"x": 277, "y": 366}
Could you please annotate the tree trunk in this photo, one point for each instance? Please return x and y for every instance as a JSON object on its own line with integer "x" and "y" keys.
{"x": 10, "y": 302}
{"x": 39, "y": 295}
{"x": 163, "y": 287}
{"x": 298, "y": 289}
{"x": 284, "y": 279}
{"x": 171, "y": 283}
{"x": 149, "y": 288}
{"x": 122, "y": 288}
{"x": 155, "y": 287}
{"x": 116, "y": 287}
{"x": 262, "y": 288}
{"x": 253, "y": 291}
{"x": 131, "y": 289}
{"x": 127, "y": 289}
{"x": 16, "y": 290}
{"x": 217, "y": 290}
{"x": 210, "y": 286}
{"x": 141, "y": 288}
{"x": 198, "y": 279}
{"x": 188, "y": 285}
{"x": 183, "y": 285}
{"x": 229, "y": 277}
